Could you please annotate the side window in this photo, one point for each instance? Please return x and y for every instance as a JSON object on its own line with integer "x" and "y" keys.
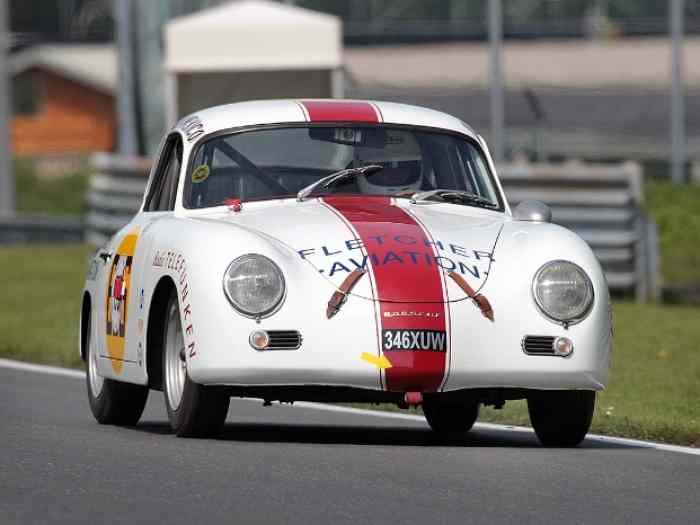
{"x": 164, "y": 187}
{"x": 172, "y": 175}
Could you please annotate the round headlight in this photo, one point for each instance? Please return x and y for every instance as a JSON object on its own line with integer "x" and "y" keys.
{"x": 563, "y": 291}
{"x": 254, "y": 285}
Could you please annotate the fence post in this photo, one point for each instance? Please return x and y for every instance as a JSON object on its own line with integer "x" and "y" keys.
{"x": 641, "y": 292}
{"x": 652, "y": 270}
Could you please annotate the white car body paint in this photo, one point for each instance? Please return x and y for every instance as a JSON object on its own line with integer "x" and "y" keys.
{"x": 194, "y": 248}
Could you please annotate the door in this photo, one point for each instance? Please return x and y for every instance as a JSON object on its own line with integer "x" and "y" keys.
{"x": 125, "y": 262}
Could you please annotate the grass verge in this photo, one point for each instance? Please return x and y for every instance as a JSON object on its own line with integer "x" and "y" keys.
{"x": 676, "y": 210}
{"x": 58, "y": 194}
{"x": 40, "y": 308}
{"x": 654, "y": 389}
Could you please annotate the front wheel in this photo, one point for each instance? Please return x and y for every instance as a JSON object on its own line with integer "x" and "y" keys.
{"x": 561, "y": 418}
{"x": 450, "y": 417}
{"x": 111, "y": 402}
{"x": 194, "y": 410}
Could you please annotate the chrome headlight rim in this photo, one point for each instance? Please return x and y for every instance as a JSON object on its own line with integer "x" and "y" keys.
{"x": 250, "y": 315}
{"x": 565, "y": 322}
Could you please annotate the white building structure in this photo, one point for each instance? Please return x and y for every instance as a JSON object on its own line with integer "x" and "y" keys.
{"x": 250, "y": 49}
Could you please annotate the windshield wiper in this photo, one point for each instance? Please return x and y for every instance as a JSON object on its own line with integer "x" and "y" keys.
{"x": 338, "y": 176}
{"x": 453, "y": 196}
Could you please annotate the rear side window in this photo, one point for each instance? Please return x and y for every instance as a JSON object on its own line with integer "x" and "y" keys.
{"x": 163, "y": 190}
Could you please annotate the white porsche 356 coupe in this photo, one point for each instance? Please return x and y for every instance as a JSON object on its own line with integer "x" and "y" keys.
{"x": 341, "y": 251}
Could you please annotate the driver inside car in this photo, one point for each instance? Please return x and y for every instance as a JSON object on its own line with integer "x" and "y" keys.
{"x": 402, "y": 166}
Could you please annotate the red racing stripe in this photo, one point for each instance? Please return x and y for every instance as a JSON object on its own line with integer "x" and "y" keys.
{"x": 377, "y": 221}
{"x": 340, "y": 111}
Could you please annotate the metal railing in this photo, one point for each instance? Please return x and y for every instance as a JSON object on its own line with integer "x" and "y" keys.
{"x": 38, "y": 228}
{"x": 114, "y": 194}
{"x": 602, "y": 203}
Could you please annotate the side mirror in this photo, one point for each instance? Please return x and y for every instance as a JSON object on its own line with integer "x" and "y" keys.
{"x": 532, "y": 211}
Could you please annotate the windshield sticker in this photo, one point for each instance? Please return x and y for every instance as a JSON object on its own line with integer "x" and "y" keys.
{"x": 200, "y": 174}
{"x": 353, "y": 254}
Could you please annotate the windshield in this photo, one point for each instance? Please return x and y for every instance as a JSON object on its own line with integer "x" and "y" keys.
{"x": 277, "y": 162}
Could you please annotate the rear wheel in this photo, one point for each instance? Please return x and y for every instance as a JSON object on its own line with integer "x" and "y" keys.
{"x": 561, "y": 418}
{"x": 194, "y": 410}
{"x": 450, "y": 417}
{"x": 112, "y": 402}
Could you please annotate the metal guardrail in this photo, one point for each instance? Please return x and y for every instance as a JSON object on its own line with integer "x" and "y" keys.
{"x": 602, "y": 203}
{"x": 114, "y": 194}
{"x": 23, "y": 229}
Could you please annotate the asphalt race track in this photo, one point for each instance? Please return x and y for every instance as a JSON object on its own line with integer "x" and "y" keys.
{"x": 291, "y": 464}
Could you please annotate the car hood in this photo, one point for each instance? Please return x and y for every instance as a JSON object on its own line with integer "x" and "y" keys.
{"x": 411, "y": 249}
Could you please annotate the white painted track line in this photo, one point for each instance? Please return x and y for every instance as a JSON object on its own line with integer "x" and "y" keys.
{"x": 41, "y": 369}
{"x": 506, "y": 428}
{"x": 78, "y": 374}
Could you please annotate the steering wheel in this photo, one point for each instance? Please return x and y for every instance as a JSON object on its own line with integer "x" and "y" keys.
{"x": 247, "y": 164}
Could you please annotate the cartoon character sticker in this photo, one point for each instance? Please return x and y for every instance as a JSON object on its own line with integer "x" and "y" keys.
{"x": 117, "y": 320}
{"x": 116, "y": 307}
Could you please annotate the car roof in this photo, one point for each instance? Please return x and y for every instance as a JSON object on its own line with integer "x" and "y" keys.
{"x": 260, "y": 112}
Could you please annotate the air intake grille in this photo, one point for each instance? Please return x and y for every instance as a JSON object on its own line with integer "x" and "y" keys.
{"x": 538, "y": 344}
{"x": 284, "y": 339}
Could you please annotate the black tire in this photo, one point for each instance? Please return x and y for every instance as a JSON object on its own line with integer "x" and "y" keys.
{"x": 450, "y": 417}
{"x": 116, "y": 402}
{"x": 202, "y": 410}
{"x": 561, "y": 418}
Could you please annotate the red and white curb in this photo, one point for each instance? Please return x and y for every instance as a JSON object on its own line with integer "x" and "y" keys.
{"x": 625, "y": 442}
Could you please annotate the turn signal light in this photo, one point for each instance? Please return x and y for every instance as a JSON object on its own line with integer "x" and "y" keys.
{"x": 562, "y": 346}
{"x": 259, "y": 339}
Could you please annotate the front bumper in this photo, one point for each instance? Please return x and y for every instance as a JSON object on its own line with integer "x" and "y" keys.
{"x": 480, "y": 353}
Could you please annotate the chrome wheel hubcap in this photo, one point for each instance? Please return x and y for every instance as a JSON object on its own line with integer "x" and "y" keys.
{"x": 96, "y": 380}
{"x": 175, "y": 364}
